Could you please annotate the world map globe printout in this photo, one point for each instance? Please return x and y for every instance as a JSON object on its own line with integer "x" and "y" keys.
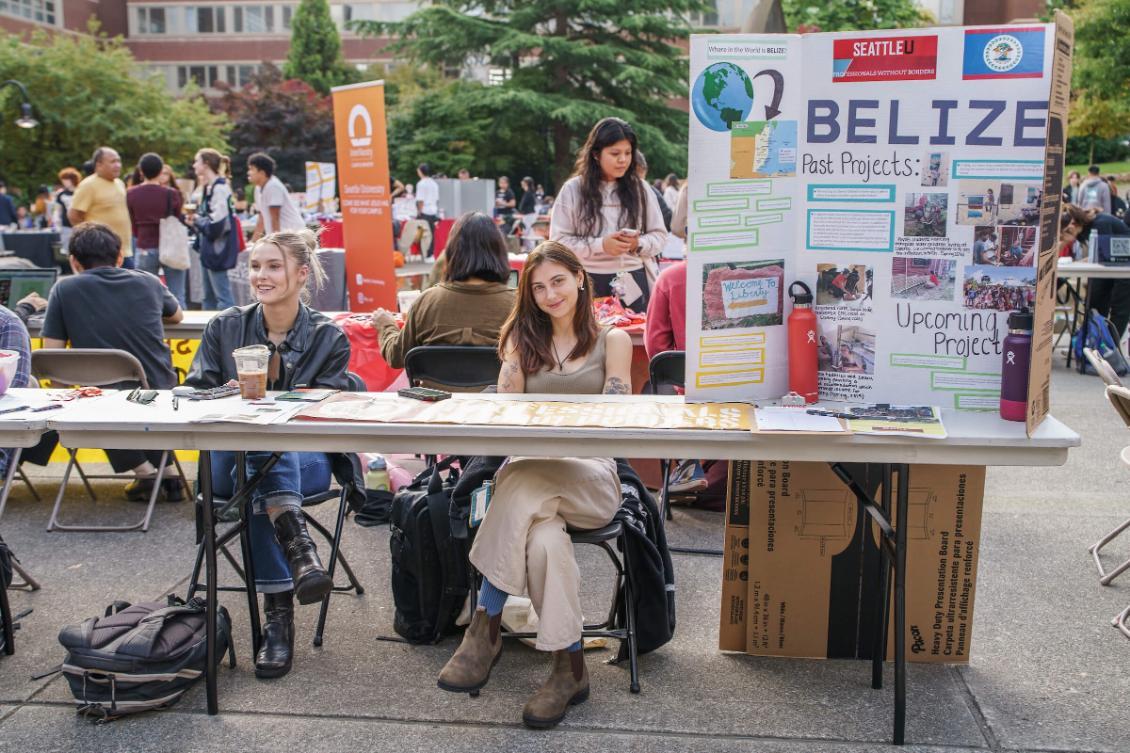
{"x": 722, "y": 95}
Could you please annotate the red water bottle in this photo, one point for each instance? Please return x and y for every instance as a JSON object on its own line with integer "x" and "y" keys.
{"x": 802, "y": 344}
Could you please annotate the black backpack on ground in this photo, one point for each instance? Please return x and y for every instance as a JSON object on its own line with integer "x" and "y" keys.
{"x": 139, "y": 657}
{"x": 430, "y": 568}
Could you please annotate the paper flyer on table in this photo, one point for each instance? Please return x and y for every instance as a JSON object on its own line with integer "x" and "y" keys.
{"x": 776, "y": 418}
{"x": 248, "y": 413}
{"x": 485, "y": 412}
{"x": 917, "y": 420}
{"x": 910, "y": 177}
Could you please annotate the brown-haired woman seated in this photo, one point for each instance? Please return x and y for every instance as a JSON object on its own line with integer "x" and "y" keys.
{"x": 550, "y": 344}
{"x": 468, "y": 307}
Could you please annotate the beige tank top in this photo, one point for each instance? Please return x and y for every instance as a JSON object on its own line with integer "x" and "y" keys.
{"x": 587, "y": 379}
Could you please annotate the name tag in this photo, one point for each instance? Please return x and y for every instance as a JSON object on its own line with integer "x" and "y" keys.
{"x": 480, "y": 501}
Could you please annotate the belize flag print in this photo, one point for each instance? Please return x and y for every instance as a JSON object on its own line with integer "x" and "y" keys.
{"x": 1015, "y": 52}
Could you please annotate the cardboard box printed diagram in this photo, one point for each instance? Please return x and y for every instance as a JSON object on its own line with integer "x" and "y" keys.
{"x": 801, "y": 566}
{"x": 910, "y": 177}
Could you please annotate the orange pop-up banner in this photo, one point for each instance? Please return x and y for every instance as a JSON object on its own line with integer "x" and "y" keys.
{"x": 362, "y": 173}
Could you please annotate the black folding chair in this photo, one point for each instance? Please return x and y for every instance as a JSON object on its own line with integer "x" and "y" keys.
{"x": 458, "y": 367}
{"x": 623, "y": 596}
{"x": 240, "y": 529}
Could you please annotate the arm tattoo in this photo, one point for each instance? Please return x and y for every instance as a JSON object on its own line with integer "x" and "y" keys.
{"x": 508, "y": 370}
{"x": 616, "y": 386}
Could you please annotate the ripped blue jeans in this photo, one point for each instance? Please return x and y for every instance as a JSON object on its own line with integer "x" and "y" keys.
{"x": 294, "y": 476}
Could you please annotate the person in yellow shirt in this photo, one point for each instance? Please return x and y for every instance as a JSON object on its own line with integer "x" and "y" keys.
{"x": 101, "y": 197}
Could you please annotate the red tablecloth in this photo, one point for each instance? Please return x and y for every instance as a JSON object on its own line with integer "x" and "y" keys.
{"x": 333, "y": 234}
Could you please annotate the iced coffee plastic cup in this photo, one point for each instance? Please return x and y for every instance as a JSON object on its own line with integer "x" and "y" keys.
{"x": 251, "y": 369}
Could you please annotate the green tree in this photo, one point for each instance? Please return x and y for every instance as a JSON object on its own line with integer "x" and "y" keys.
{"x": 1100, "y": 80}
{"x": 87, "y": 92}
{"x": 285, "y": 118}
{"x": 315, "y": 49}
{"x": 564, "y": 65}
{"x": 852, "y": 15}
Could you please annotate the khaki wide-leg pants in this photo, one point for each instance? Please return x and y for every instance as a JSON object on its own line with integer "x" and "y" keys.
{"x": 522, "y": 547}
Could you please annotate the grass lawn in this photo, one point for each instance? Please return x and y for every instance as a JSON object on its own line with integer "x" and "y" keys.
{"x": 1110, "y": 168}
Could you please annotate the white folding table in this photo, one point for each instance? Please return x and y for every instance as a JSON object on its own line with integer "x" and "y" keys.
{"x": 980, "y": 439}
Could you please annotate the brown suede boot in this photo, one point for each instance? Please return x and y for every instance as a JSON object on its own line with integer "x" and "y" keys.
{"x": 568, "y": 685}
{"x": 469, "y": 667}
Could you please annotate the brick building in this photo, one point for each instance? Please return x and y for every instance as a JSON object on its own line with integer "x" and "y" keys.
{"x": 210, "y": 42}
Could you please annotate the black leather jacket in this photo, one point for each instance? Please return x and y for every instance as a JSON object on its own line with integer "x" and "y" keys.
{"x": 314, "y": 354}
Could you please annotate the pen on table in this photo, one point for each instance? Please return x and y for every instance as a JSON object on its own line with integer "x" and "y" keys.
{"x": 13, "y": 410}
{"x": 176, "y": 402}
{"x": 42, "y": 408}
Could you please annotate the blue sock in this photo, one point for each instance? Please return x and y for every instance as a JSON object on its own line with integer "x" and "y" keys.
{"x": 491, "y": 599}
{"x": 576, "y": 646}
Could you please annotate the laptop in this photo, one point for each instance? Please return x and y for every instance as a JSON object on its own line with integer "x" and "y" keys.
{"x": 17, "y": 283}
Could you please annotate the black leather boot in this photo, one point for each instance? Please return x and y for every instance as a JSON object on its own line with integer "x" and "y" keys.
{"x": 311, "y": 581}
{"x": 276, "y": 652}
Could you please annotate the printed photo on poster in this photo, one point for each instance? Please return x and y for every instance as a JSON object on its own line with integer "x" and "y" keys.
{"x": 924, "y": 215}
{"x": 1018, "y": 246}
{"x": 743, "y": 294}
{"x": 986, "y": 243}
{"x": 986, "y": 202}
{"x": 923, "y": 279}
{"x": 846, "y": 349}
{"x": 936, "y": 169}
{"x": 998, "y": 288}
{"x": 843, "y": 285}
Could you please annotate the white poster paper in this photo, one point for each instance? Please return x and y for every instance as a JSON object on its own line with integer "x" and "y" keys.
{"x": 899, "y": 174}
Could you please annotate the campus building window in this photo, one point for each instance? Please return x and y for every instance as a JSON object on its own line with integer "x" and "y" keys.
{"x": 204, "y": 20}
{"x": 253, "y": 19}
{"x": 151, "y": 21}
{"x": 40, "y": 11}
{"x": 204, "y": 76}
{"x": 287, "y": 16}
{"x": 239, "y": 75}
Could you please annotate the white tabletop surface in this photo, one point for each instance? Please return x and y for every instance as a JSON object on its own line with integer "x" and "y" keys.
{"x": 973, "y": 438}
{"x": 1092, "y": 270}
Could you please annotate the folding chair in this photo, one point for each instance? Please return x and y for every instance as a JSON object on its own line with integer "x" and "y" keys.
{"x": 458, "y": 367}
{"x": 15, "y": 470}
{"x": 1119, "y": 397}
{"x": 98, "y": 368}
{"x": 333, "y": 539}
{"x": 1105, "y": 371}
{"x": 623, "y": 596}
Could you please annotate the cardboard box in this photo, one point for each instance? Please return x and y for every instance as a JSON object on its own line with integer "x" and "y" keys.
{"x": 809, "y": 557}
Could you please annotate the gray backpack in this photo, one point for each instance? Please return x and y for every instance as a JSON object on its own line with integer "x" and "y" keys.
{"x": 139, "y": 657}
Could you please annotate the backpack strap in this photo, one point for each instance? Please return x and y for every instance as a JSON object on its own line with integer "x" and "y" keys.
{"x": 139, "y": 642}
{"x": 454, "y": 588}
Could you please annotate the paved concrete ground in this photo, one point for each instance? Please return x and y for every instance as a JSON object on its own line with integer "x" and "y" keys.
{"x": 1048, "y": 672}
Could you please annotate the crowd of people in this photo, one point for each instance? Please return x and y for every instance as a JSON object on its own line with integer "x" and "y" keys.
{"x": 607, "y": 230}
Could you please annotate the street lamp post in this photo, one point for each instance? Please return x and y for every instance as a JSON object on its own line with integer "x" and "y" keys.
{"x": 25, "y": 120}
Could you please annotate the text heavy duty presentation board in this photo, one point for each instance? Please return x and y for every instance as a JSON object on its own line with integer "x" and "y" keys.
{"x": 910, "y": 177}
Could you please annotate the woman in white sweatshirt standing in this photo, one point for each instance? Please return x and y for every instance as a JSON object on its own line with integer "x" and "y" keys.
{"x": 609, "y": 217}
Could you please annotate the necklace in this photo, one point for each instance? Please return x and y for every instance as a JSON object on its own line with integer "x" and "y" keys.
{"x": 560, "y": 361}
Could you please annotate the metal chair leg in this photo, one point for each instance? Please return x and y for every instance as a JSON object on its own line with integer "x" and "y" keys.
{"x": 29, "y": 583}
{"x": 664, "y": 493}
{"x": 248, "y": 564}
{"x": 13, "y": 468}
{"x": 85, "y": 480}
{"x": 335, "y": 552}
{"x": 354, "y": 583}
{"x": 879, "y": 647}
{"x": 1106, "y": 578}
{"x": 630, "y": 625}
{"x": 27, "y": 482}
{"x": 1119, "y": 621}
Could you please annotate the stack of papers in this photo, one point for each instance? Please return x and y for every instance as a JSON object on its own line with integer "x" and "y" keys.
{"x": 775, "y": 418}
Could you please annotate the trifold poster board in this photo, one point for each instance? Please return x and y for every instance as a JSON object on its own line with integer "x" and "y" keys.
{"x": 910, "y": 177}
{"x": 801, "y": 567}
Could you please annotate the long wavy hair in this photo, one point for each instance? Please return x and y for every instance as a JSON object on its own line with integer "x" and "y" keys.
{"x": 629, "y": 187}
{"x": 529, "y": 328}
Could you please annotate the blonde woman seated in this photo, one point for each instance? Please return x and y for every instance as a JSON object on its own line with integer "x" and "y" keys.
{"x": 550, "y": 344}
